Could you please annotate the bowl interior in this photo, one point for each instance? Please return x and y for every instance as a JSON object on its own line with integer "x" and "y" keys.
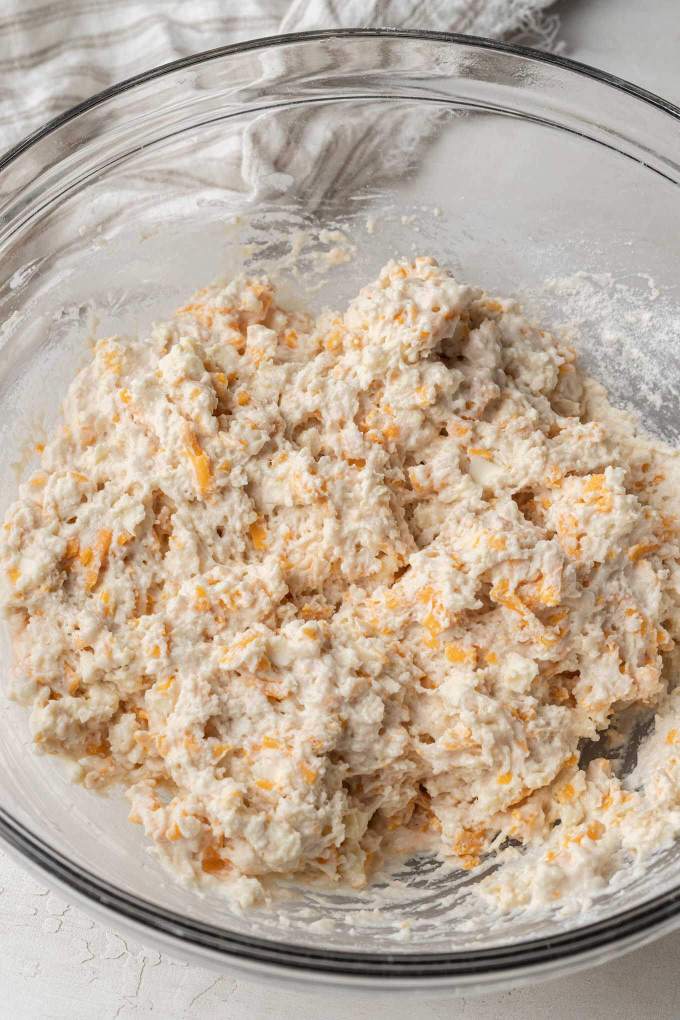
{"x": 523, "y": 176}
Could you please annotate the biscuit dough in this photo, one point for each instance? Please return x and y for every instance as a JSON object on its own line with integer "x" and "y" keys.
{"x": 314, "y": 589}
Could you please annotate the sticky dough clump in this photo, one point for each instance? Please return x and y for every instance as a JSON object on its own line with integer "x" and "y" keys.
{"x": 312, "y": 590}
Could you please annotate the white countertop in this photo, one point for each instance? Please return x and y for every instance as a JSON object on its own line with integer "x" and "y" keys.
{"x": 57, "y": 964}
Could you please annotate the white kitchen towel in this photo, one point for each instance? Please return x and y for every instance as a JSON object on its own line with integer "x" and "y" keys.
{"x": 54, "y": 53}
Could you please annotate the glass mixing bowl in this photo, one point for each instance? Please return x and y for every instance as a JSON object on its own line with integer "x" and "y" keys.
{"x": 509, "y": 165}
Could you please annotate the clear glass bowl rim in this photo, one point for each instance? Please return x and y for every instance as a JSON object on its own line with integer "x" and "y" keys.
{"x": 632, "y": 925}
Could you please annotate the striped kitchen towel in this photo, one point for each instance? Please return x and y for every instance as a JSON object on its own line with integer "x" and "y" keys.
{"x": 54, "y": 54}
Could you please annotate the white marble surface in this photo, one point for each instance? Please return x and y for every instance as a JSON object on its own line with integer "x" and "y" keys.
{"x": 57, "y": 964}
